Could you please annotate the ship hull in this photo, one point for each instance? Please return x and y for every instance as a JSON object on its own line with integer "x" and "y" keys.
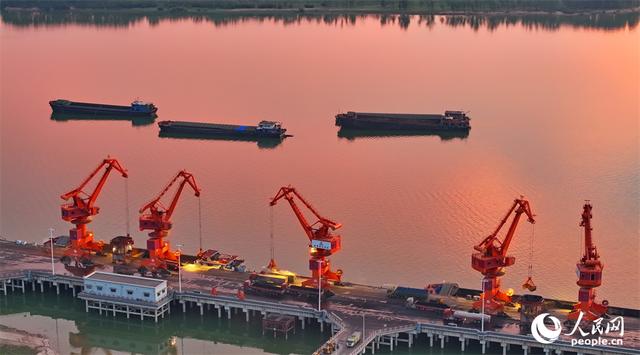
{"x": 135, "y": 120}
{"x": 350, "y": 133}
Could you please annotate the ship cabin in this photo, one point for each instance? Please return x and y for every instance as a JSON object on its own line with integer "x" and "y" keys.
{"x": 143, "y": 106}
{"x": 455, "y": 115}
{"x": 269, "y": 126}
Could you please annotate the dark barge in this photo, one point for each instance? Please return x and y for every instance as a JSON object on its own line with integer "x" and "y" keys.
{"x": 264, "y": 129}
{"x": 136, "y": 109}
{"x": 449, "y": 121}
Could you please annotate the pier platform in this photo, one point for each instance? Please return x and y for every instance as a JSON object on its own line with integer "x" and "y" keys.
{"x": 386, "y": 324}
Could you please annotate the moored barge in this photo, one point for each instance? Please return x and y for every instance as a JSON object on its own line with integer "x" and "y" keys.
{"x": 449, "y": 121}
{"x": 264, "y": 129}
{"x": 136, "y": 109}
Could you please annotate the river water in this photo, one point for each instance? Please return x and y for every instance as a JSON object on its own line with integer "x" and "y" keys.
{"x": 63, "y": 321}
{"x": 554, "y": 109}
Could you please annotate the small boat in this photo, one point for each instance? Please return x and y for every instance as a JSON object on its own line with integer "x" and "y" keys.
{"x": 264, "y": 129}
{"x": 136, "y": 109}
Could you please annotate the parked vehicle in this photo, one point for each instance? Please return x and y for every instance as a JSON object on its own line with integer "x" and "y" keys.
{"x": 354, "y": 339}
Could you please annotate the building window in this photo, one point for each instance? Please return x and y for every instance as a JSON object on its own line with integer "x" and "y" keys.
{"x": 99, "y": 288}
{"x": 112, "y": 289}
{"x": 89, "y": 287}
{"x": 129, "y": 292}
{"x": 158, "y": 294}
{"x": 146, "y": 294}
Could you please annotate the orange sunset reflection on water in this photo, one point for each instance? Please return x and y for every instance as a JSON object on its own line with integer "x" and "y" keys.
{"x": 554, "y": 114}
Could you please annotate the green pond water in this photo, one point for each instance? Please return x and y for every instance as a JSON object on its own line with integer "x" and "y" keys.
{"x": 70, "y": 330}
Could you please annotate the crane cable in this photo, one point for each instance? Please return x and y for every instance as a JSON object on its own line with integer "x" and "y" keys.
{"x": 272, "y": 246}
{"x": 533, "y": 229}
{"x": 529, "y": 284}
{"x": 126, "y": 205}
{"x": 200, "y": 223}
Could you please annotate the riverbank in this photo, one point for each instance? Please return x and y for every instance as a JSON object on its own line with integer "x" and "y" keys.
{"x": 612, "y": 20}
{"x": 16, "y": 341}
{"x": 416, "y": 7}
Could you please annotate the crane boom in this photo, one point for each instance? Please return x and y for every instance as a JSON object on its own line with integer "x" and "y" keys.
{"x": 590, "y": 251}
{"x": 491, "y": 243}
{"x": 87, "y": 203}
{"x": 288, "y": 192}
{"x": 154, "y": 204}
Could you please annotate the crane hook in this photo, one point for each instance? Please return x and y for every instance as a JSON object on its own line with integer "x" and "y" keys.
{"x": 528, "y": 283}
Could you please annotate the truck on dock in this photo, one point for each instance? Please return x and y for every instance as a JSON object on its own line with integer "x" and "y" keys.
{"x": 219, "y": 260}
{"x": 430, "y": 292}
{"x": 121, "y": 248}
{"x": 401, "y": 292}
{"x": 435, "y": 307}
{"x": 266, "y": 285}
{"x": 449, "y": 121}
{"x": 354, "y": 339}
{"x": 278, "y": 286}
{"x": 466, "y": 319}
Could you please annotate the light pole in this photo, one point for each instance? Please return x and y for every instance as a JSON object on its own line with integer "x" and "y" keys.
{"x": 363, "y": 333}
{"x": 179, "y": 268}
{"x": 319, "y": 285}
{"x": 482, "y": 298}
{"x": 53, "y": 268}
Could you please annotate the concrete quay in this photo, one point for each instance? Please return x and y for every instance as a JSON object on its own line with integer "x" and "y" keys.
{"x": 387, "y": 324}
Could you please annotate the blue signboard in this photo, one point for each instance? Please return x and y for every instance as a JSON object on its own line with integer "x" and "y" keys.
{"x": 320, "y": 244}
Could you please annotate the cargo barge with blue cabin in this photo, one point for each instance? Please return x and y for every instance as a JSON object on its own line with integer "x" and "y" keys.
{"x": 449, "y": 121}
{"x": 264, "y": 129}
{"x": 136, "y": 109}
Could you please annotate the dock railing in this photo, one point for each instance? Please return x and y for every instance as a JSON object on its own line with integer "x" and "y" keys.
{"x": 337, "y": 322}
{"x": 359, "y": 349}
{"x": 518, "y": 339}
{"x": 9, "y": 275}
{"x": 253, "y": 304}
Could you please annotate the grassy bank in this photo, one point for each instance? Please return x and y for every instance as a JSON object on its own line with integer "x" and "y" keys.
{"x": 16, "y": 350}
{"x": 362, "y": 6}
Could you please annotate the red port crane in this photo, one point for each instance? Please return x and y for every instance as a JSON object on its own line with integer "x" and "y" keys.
{"x": 491, "y": 258}
{"x": 322, "y": 242}
{"x": 156, "y": 217}
{"x": 81, "y": 211}
{"x": 589, "y": 270}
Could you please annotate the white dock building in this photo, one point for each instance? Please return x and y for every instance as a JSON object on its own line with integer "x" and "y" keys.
{"x": 130, "y": 295}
